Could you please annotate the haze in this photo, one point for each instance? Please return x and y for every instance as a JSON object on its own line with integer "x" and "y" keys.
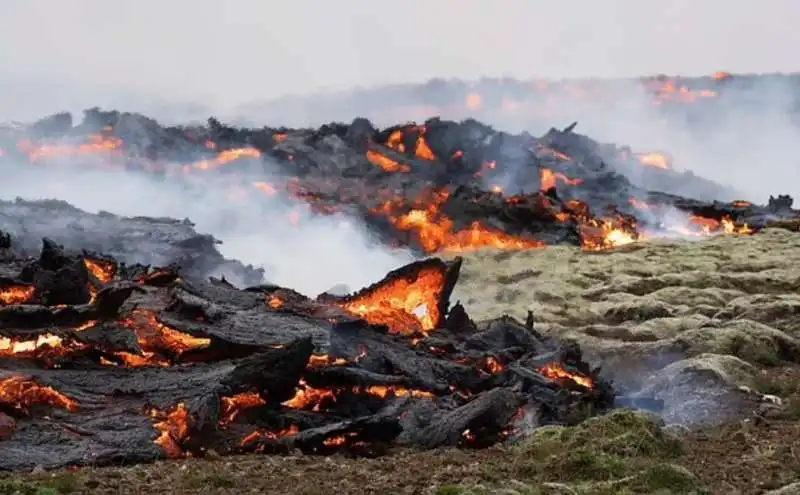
{"x": 226, "y": 53}
{"x": 183, "y": 60}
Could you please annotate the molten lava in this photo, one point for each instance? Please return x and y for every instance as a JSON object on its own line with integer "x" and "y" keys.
{"x": 16, "y": 294}
{"x": 549, "y": 179}
{"x": 323, "y": 360}
{"x": 22, "y": 394}
{"x": 45, "y": 343}
{"x": 157, "y": 340}
{"x": 436, "y": 232}
{"x": 223, "y": 158}
{"x": 269, "y": 435}
{"x": 97, "y": 145}
{"x": 104, "y": 271}
{"x": 556, "y": 372}
{"x": 174, "y": 428}
{"x": 386, "y": 163}
{"x": 233, "y": 406}
{"x": 655, "y": 159}
{"x": 314, "y": 399}
{"x": 405, "y": 305}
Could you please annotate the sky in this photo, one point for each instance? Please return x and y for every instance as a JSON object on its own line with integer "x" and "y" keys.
{"x": 150, "y": 56}
{"x": 227, "y": 53}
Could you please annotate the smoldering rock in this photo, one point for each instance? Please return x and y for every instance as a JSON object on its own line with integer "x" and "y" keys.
{"x": 131, "y": 240}
{"x": 7, "y": 426}
{"x": 701, "y": 390}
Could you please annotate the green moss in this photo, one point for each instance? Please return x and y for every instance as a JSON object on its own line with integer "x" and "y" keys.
{"x": 621, "y": 451}
{"x": 58, "y": 484}
{"x": 666, "y": 478}
{"x": 12, "y": 487}
{"x": 198, "y": 480}
{"x": 622, "y": 433}
{"x": 450, "y": 490}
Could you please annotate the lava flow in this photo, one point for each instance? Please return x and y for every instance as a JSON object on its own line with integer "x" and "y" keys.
{"x": 20, "y": 348}
{"x": 436, "y": 231}
{"x": 158, "y": 342}
{"x": 173, "y": 427}
{"x": 315, "y": 399}
{"x": 407, "y": 305}
{"x": 104, "y": 271}
{"x": 422, "y": 167}
{"x": 22, "y": 394}
{"x": 233, "y": 406}
{"x": 16, "y": 294}
{"x": 395, "y": 366}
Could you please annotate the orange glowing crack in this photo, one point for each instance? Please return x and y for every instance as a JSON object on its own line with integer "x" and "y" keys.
{"x": 554, "y": 153}
{"x": 104, "y": 271}
{"x": 386, "y": 163}
{"x": 323, "y": 360}
{"x": 155, "y": 338}
{"x": 97, "y": 144}
{"x": 307, "y": 397}
{"x": 556, "y": 372}
{"x": 16, "y": 294}
{"x": 223, "y": 158}
{"x": 549, "y": 178}
{"x": 492, "y": 366}
{"x": 23, "y": 394}
{"x": 174, "y": 429}
{"x": 269, "y": 435}
{"x": 232, "y": 407}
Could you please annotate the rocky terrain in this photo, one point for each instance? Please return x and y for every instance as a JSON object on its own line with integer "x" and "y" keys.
{"x": 708, "y": 326}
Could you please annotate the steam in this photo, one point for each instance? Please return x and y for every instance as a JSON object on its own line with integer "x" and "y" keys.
{"x": 299, "y": 250}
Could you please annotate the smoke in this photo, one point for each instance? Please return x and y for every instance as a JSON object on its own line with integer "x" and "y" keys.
{"x": 746, "y": 139}
{"x": 57, "y": 56}
{"x": 299, "y": 250}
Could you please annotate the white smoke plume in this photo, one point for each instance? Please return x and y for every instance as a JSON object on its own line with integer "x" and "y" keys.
{"x": 299, "y": 250}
